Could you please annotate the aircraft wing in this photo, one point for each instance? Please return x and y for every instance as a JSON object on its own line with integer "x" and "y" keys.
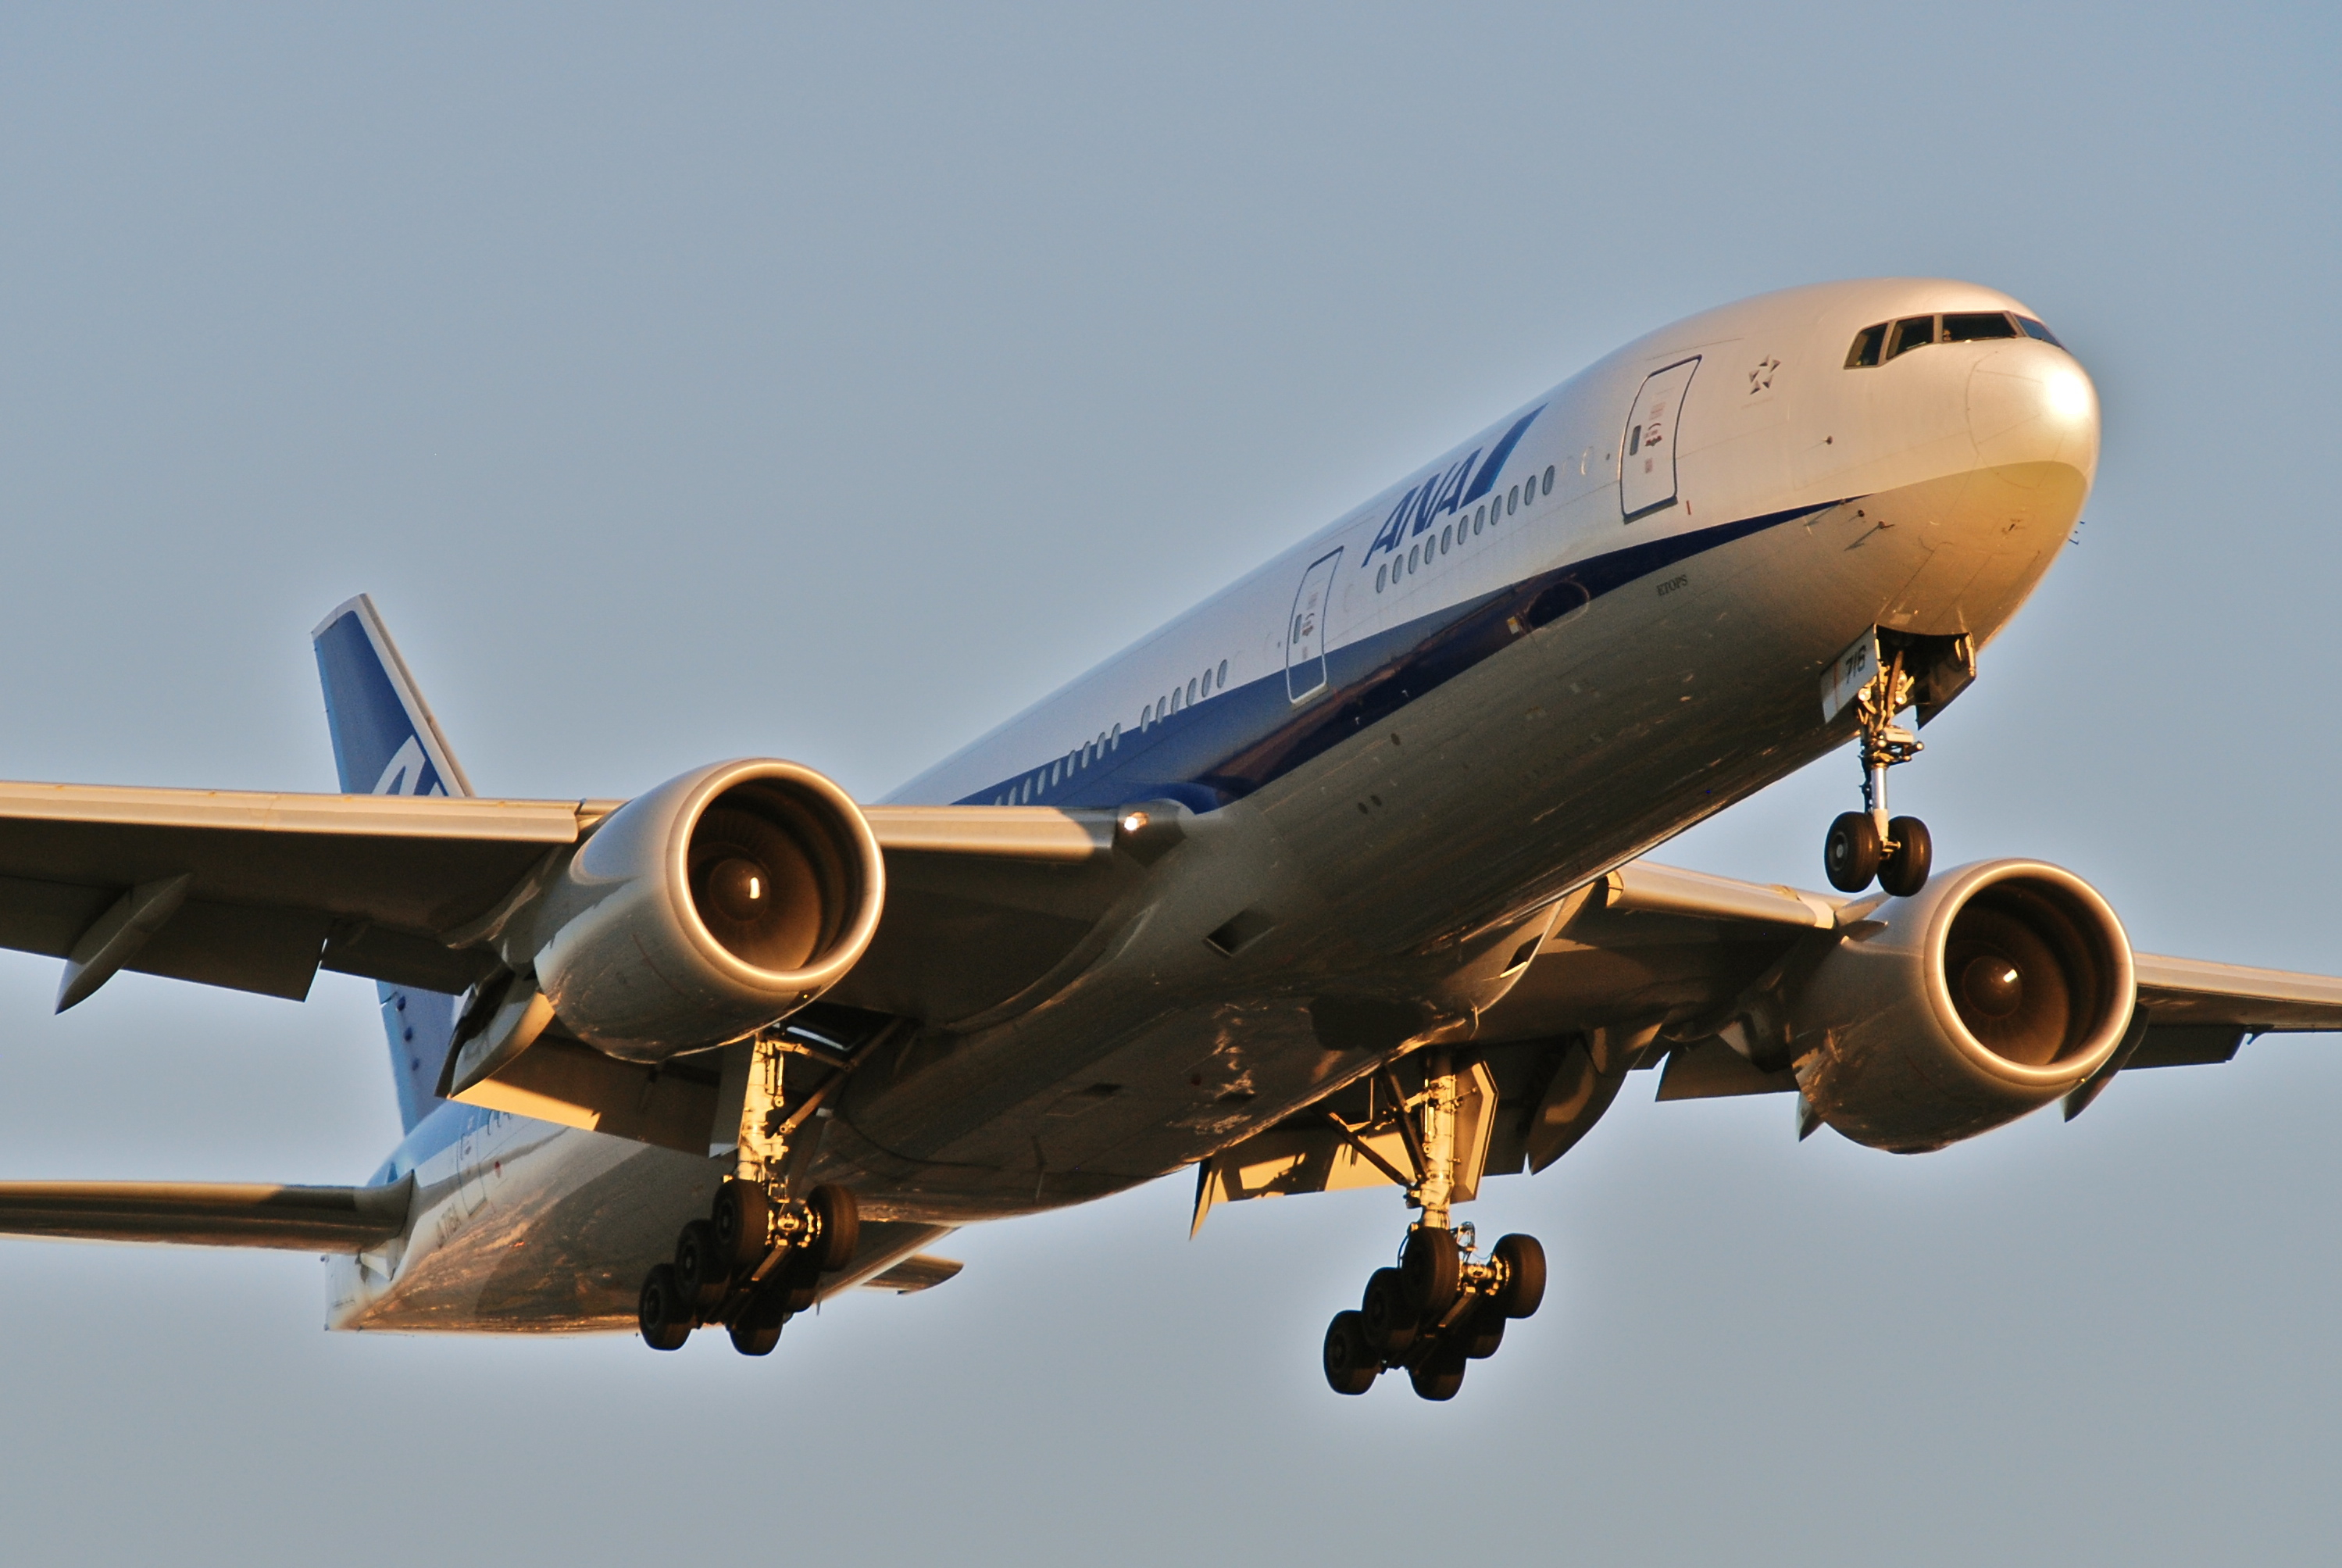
{"x": 1652, "y": 965}
{"x": 207, "y": 1213}
{"x": 257, "y": 891}
{"x": 1673, "y": 950}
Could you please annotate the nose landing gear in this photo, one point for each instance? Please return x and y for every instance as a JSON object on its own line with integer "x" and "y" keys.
{"x": 1870, "y": 844}
{"x": 1444, "y": 1305}
{"x": 757, "y": 1259}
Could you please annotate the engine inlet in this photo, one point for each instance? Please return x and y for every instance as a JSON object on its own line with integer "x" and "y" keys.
{"x": 2031, "y": 972}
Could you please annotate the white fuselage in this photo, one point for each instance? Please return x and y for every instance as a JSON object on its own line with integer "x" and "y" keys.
{"x": 1525, "y": 662}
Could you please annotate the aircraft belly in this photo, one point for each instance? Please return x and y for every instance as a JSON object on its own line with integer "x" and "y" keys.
{"x": 560, "y": 1244}
{"x": 1179, "y": 1084}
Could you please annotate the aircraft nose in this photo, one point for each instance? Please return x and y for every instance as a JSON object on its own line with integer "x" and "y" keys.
{"x": 2030, "y": 402}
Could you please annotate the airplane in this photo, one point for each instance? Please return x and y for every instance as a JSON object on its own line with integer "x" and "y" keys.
{"x": 1336, "y": 881}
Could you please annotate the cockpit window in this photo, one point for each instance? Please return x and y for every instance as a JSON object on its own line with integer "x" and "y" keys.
{"x": 1969, "y": 325}
{"x": 1912, "y": 332}
{"x": 1876, "y": 344}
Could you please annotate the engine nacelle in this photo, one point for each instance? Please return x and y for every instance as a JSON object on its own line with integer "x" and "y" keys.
{"x": 716, "y": 903}
{"x": 1995, "y": 990}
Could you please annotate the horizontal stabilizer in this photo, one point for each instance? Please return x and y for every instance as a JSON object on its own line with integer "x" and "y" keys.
{"x": 208, "y": 1214}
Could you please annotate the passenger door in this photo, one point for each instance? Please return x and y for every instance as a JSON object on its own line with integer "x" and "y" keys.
{"x": 1646, "y": 452}
{"x": 1305, "y": 630}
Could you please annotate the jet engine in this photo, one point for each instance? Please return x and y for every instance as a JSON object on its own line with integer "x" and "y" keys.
{"x": 1993, "y": 990}
{"x": 716, "y": 903}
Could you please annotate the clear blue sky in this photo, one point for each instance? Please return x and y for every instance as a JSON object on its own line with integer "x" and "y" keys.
{"x": 831, "y": 383}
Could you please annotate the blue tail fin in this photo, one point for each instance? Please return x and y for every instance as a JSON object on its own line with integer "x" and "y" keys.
{"x": 385, "y": 742}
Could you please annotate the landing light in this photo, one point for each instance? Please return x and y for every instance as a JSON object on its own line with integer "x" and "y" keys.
{"x": 2070, "y": 397}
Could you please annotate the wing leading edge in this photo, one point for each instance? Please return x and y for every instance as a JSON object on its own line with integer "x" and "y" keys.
{"x": 272, "y": 887}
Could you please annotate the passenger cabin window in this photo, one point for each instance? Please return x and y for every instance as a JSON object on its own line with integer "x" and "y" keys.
{"x": 1866, "y": 345}
{"x": 1972, "y": 325}
{"x": 1912, "y": 332}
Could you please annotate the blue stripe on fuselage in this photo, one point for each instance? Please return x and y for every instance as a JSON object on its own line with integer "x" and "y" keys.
{"x": 1486, "y": 480}
{"x": 1229, "y": 745}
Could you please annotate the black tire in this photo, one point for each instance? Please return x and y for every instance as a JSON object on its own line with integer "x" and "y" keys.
{"x": 1431, "y": 1267}
{"x": 1905, "y": 873}
{"x": 698, "y": 1269}
{"x": 796, "y": 1281}
{"x": 769, "y": 1305}
{"x": 838, "y": 1226}
{"x": 1483, "y": 1332}
{"x": 752, "y": 1336}
{"x": 661, "y": 1312}
{"x": 1387, "y": 1317}
{"x": 741, "y": 1223}
{"x": 1351, "y": 1364}
{"x": 1850, "y": 853}
{"x": 1438, "y": 1375}
{"x": 1522, "y": 1258}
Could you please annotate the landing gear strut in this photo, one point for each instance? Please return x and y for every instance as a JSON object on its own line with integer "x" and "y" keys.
{"x": 757, "y": 1259}
{"x": 1869, "y": 843}
{"x": 1445, "y": 1304}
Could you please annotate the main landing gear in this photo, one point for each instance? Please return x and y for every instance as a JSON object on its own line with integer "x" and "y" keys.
{"x": 1867, "y": 844}
{"x": 1444, "y": 1305}
{"x": 750, "y": 1266}
{"x": 757, "y": 1259}
{"x": 1438, "y": 1310}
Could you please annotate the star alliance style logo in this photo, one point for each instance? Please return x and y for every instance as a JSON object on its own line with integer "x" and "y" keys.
{"x": 1761, "y": 379}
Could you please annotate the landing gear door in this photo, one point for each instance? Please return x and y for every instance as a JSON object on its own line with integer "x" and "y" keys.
{"x": 1305, "y": 630}
{"x": 1646, "y": 451}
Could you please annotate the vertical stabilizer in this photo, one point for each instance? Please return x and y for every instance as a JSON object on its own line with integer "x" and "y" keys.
{"x": 387, "y": 743}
